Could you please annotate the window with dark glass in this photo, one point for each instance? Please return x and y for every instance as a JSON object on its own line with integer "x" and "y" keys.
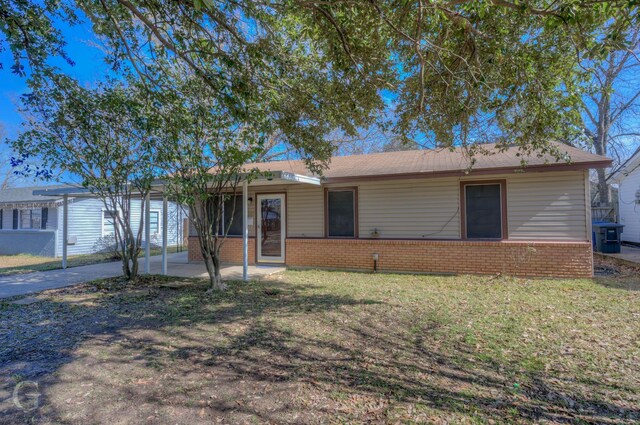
{"x": 483, "y": 211}
{"x": 233, "y": 215}
{"x": 341, "y": 213}
{"x": 229, "y": 215}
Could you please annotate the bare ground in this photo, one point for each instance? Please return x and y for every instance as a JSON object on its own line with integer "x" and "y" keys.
{"x": 327, "y": 347}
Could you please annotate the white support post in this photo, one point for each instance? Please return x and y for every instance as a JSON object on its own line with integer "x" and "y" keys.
{"x": 65, "y": 229}
{"x": 165, "y": 226}
{"x": 245, "y": 231}
{"x": 147, "y": 234}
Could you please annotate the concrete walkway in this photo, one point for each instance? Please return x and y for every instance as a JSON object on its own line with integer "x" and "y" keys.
{"x": 629, "y": 255}
{"x": 177, "y": 265}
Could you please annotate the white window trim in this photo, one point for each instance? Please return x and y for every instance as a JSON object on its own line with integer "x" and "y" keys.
{"x": 31, "y": 219}
{"x": 152, "y": 210}
{"x": 102, "y": 233}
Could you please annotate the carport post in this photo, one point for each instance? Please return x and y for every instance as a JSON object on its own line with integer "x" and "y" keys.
{"x": 65, "y": 228}
{"x": 165, "y": 226}
{"x": 147, "y": 234}
{"x": 245, "y": 231}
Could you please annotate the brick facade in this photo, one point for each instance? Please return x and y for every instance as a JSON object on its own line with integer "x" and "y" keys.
{"x": 544, "y": 259}
{"x": 231, "y": 252}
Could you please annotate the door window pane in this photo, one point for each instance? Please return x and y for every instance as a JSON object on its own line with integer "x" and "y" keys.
{"x": 271, "y": 227}
{"x": 341, "y": 213}
{"x": 483, "y": 211}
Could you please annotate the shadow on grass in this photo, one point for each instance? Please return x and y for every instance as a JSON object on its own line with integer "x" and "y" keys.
{"x": 270, "y": 352}
{"x": 627, "y": 283}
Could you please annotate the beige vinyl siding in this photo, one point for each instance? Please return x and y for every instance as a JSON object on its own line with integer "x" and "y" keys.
{"x": 306, "y": 211}
{"x": 547, "y": 206}
{"x": 540, "y": 206}
{"x": 427, "y": 208}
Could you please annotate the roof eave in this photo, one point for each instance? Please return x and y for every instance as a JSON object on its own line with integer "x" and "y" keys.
{"x": 484, "y": 171}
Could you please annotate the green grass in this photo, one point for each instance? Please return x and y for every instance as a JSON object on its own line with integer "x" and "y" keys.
{"x": 334, "y": 347}
{"x": 25, "y": 263}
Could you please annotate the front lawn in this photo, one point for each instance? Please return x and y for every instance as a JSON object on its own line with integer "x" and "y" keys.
{"x": 327, "y": 347}
{"x": 25, "y": 263}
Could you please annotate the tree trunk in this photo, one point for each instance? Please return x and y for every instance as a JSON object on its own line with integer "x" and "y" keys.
{"x": 603, "y": 187}
{"x": 212, "y": 262}
{"x": 601, "y": 149}
{"x": 134, "y": 267}
{"x": 126, "y": 271}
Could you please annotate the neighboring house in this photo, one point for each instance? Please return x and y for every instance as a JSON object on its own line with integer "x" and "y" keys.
{"x": 422, "y": 211}
{"x": 627, "y": 177}
{"x": 32, "y": 224}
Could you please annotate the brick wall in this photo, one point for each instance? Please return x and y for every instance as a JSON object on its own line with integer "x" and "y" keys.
{"x": 558, "y": 259}
{"x": 231, "y": 252}
{"x": 545, "y": 259}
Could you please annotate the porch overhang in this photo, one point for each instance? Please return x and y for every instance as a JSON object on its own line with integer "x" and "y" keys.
{"x": 158, "y": 190}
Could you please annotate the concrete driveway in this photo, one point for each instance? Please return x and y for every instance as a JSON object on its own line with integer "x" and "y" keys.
{"x": 29, "y": 283}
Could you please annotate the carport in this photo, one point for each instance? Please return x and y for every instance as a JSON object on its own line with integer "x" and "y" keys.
{"x": 158, "y": 191}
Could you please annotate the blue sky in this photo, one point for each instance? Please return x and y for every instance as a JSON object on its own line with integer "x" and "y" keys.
{"x": 81, "y": 48}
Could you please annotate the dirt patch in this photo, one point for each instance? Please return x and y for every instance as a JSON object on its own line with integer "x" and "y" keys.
{"x": 604, "y": 266}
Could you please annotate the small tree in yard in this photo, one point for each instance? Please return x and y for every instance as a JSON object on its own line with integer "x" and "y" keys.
{"x": 101, "y": 136}
{"x": 204, "y": 154}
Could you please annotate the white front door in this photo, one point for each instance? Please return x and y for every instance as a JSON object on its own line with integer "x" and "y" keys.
{"x": 271, "y": 229}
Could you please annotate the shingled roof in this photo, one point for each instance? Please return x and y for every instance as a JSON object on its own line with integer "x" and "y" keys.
{"x": 438, "y": 162}
{"x": 24, "y": 196}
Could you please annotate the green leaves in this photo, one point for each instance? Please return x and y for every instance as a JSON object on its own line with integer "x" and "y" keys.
{"x": 452, "y": 72}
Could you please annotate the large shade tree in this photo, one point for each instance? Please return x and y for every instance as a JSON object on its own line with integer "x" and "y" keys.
{"x": 455, "y": 71}
{"x": 611, "y": 103}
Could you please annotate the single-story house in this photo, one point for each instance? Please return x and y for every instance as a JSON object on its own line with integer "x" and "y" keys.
{"x": 32, "y": 223}
{"x": 420, "y": 211}
{"x": 627, "y": 177}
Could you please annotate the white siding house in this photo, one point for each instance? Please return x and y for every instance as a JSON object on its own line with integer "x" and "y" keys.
{"x": 627, "y": 177}
{"x": 32, "y": 224}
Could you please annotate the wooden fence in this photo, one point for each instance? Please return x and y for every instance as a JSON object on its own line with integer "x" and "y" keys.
{"x": 604, "y": 213}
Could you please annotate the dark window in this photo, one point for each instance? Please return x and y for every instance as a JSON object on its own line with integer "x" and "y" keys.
{"x": 483, "y": 211}
{"x": 341, "y": 213}
{"x": 1, "y": 217}
{"x": 229, "y": 215}
{"x": 233, "y": 215}
{"x": 45, "y": 218}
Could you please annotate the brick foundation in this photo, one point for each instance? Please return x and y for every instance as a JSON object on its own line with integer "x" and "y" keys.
{"x": 561, "y": 259}
{"x": 544, "y": 259}
{"x": 231, "y": 252}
